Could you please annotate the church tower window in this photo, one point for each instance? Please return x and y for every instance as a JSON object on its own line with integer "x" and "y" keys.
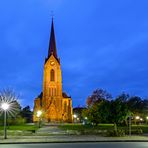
{"x": 52, "y": 75}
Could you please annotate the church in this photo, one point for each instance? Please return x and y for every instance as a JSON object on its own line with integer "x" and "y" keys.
{"x": 55, "y": 105}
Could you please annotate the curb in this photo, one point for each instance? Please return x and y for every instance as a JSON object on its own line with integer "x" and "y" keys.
{"x": 77, "y": 141}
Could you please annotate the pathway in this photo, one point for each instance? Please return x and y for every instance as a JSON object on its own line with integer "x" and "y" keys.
{"x": 50, "y": 130}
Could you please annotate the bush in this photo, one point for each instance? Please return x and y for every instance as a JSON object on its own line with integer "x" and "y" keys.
{"x": 137, "y": 132}
{"x": 115, "y": 133}
{"x": 16, "y": 121}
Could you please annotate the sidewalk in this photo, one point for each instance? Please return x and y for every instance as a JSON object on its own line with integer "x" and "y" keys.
{"x": 70, "y": 138}
{"x": 53, "y": 130}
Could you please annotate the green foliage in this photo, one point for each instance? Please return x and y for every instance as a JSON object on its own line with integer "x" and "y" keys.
{"x": 16, "y": 121}
{"x": 98, "y": 113}
{"x": 97, "y": 96}
{"x": 137, "y": 105}
{"x": 106, "y": 111}
{"x": 105, "y": 129}
{"x": 20, "y": 130}
{"x": 79, "y": 112}
{"x": 115, "y": 133}
{"x": 26, "y": 113}
{"x": 98, "y": 107}
{"x": 118, "y": 111}
{"x": 101, "y": 109}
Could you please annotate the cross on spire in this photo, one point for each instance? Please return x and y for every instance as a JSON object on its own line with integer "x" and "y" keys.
{"x": 52, "y": 14}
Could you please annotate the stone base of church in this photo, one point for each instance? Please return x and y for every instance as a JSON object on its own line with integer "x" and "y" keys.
{"x": 53, "y": 119}
{"x": 57, "y": 121}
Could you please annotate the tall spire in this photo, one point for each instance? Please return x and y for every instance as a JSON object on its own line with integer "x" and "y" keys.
{"x": 52, "y": 43}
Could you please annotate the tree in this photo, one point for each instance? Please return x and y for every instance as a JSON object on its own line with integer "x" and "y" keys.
{"x": 97, "y": 96}
{"x": 119, "y": 111}
{"x": 104, "y": 111}
{"x": 101, "y": 109}
{"x": 78, "y": 112}
{"x": 98, "y": 113}
{"x": 98, "y": 106}
{"x": 138, "y": 107}
{"x": 123, "y": 97}
{"x": 94, "y": 116}
{"x": 27, "y": 114}
{"x": 136, "y": 104}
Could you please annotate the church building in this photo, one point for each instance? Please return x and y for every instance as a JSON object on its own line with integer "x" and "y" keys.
{"x": 55, "y": 105}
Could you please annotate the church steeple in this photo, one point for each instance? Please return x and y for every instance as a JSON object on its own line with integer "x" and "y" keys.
{"x": 55, "y": 104}
{"x": 52, "y": 43}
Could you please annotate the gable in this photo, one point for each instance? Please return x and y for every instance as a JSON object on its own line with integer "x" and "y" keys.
{"x": 52, "y": 61}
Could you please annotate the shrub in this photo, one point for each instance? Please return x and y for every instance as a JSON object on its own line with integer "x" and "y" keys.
{"x": 16, "y": 121}
{"x": 115, "y": 133}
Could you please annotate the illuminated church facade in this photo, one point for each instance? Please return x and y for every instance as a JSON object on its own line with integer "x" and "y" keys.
{"x": 56, "y": 105}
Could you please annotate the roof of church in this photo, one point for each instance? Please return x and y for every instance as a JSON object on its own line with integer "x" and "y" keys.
{"x": 65, "y": 95}
{"x": 40, "y": 95}
{"x": 52, "y": 44}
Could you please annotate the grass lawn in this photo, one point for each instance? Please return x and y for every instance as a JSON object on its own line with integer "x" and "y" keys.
{"x": 19, "y": 130}
{"x": 86, "y": 127}
{"x": 21, "y": 127}
{"x": 101, "y": 127}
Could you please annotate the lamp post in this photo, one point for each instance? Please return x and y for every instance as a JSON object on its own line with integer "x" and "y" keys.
{"x": 141, "y": 120}
{"x": 39, "y": 113}
{"x": 5, "y": 107}
{"x": 129, "y": 119}
{"x": 85, "y": 120}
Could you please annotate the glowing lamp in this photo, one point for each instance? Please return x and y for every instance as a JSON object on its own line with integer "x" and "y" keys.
{"x": 39, "y": 113}
{"x": 5, "y": 106}
{"x": 75, "y": 116}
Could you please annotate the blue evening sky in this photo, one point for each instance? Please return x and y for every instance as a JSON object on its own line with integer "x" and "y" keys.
{"x": 101, "y": 44}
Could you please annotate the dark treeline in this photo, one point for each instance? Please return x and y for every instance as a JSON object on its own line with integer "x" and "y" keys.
{"x": 24, "y": 115}
{"x": 102, "y": 108}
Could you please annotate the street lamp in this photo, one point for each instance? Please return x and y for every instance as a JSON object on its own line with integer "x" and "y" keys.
{"x": 137, "y": 118}
{"x": 147, "y": 119}
{"x": 39, "y": 113}
{"x": 5, "y": 107}
{"x": 75, "y": 116}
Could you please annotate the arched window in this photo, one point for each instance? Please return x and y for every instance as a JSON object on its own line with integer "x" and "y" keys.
{"x": 52, "y": 75}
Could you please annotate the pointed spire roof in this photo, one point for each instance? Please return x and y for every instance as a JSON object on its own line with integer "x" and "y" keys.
{"x": 52, "y": 43}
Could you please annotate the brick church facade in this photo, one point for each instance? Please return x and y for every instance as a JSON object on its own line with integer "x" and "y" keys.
{"x": 56, "y": 105}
